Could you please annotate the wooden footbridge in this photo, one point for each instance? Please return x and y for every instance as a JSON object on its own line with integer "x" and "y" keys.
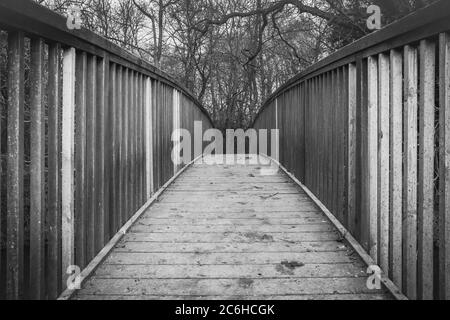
{"x": 88, "y": 184}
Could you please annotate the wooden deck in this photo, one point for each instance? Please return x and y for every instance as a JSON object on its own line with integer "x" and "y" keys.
{"x": 225, "y": 232}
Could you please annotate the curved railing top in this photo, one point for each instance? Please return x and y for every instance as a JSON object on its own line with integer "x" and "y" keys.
{"x": 35, "y": 19}
{"x": 418, "y": 25}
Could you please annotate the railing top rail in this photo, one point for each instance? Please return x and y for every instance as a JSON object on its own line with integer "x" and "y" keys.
{"x": 36, "y": 20}
{"x": 421, "y": 24}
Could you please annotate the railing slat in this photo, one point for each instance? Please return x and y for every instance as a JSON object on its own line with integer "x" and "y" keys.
{"x": 372, "y": 156}
{"x": 37, "y": 170}
{"x": 115, "y": 153}
{"x": 425, "y": 213}
{"x": 54, "y": 263}
{"x": 149, "y": 134}
{"x": 444, "y": 166}
{"x": 80, "y": 159}
{"x": 68, "y": 163}
{"x": 122, "y": 146}
{"x": 107, "y": 137}
{"x": 396, "y": 165}
{"x": 410, "y": 177}
{"x": 99, "y": 207}
{"x": 351, "y": 149}
{"x": 383, "y": 160}
{"x": 15, "y": 165}
{"x": 91, "y": 151}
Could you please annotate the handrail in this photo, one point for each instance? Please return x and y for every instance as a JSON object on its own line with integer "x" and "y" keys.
{"x": 428, "y": 21}
{"x": 35, "y": 19}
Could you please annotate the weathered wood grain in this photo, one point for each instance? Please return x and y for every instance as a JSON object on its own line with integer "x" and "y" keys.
{"x": 259, "y": 247}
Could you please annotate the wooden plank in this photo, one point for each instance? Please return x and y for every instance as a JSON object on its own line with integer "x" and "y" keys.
{"x": 232, "y": 237}
{"x": 335, "y": 143}
{"x": 362, "y": 224}
{"x": 14, "y": 194}
{"x": 425, "y": 212}
{"x": 68, "y": 161}
{"x": 396, "y": 166}
{"x": 91, "y": 151}
{"x": 319, "y": 227}
{"x": 246, "y": 287}
{"x": 121, "y": 133}
{"x": 53, "y": 261}
{"x": 99, "y": 207}
{"x": 342, "y": 144}
{"x": 142, "y": 135}
{"x": 444, "y": 167}
{"x": 107, "y": 137}
{"x": 169, "y": 259}
{"x": 114, "y": 152}
{"x": 276, "y": 270}
{"x": 372, "y": 156}
{"x": 243, "y": 248}
{"x": 149, "y": 136}
{"x": 410, "y": 173}
{"x": 37, "y": 170}
{"x": 126, "y": 158}
{"x": 351, "y": 149}
{"x": 383, "y": 160}
{"x": 80, "y": 159}
{"x": 304, "y": 297}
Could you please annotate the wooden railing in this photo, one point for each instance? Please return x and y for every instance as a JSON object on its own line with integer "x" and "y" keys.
{"x": 367, "y": 130}
{"x": 85, "y": 141}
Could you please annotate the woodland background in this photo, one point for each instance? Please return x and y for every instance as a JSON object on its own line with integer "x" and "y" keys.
{"x": 232, "y": 54}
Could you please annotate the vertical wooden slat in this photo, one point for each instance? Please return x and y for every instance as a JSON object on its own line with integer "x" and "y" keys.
{"x": 100, "y": 155}
{"x": 335, "y": 140}
{"x": 37, "y": 170}
{"x": 126, "y": 116}
{"x": 67, "y": 182}
{"x": 114, "y": 134}
{"x": 425, "y": 213}
{"x": 143, "y": 135}
{"x": 372, "y": 156}
{"x": 410, "y": 177}
{"x": 342, "y": 144}
{"x": 107, "y": 153}
{"x": 54, "y": 263}
{"x": 351, "y": 149}
{"x": 361, "y": 221}
{"x": 444, "y": 166}
{"x": 140, "y": 137}
{"x": 15, "y": 132}
{"x": 149, "y": 138}
{"x": 396, "y": 166}
{"x": 383, "y": 161}
{"x": 121, "y": 134}
{"x": 80, "y": 160}
{"x": 91, "y": 151}
{"x": 134, "y": 156}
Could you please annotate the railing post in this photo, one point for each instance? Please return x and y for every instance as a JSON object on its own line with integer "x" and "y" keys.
{"x": 15, "y": 213}
{"x": 351, "y": 148}
{"x": 68, "y": 126}
{"x": 444, "y": 166}
{"x": 149, "y": 136}
{"x": 37, "y": 168}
